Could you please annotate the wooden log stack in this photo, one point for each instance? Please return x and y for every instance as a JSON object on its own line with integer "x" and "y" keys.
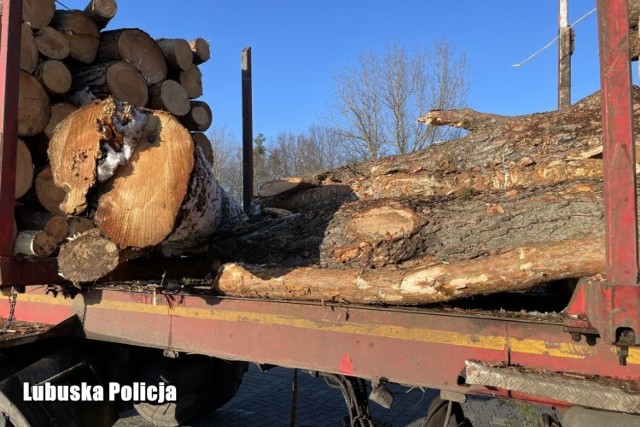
{"x": 113, "y": 90}
{"x": 514, "y": 204}
{"x": 117, "y": 164}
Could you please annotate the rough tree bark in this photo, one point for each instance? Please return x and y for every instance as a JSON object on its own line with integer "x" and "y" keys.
{"x": 500, "y": 152}
{"x": 515, "y": 203}
{"x": 519, "y": 269}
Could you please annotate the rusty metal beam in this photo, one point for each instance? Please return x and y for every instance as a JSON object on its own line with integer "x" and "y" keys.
{"x": 409, "y": 346}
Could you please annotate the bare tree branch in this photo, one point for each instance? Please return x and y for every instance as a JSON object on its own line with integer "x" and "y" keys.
{"x": 379, "y": 100}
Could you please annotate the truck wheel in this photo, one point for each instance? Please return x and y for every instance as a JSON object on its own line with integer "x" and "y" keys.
{"x": 173, "y": 414}
{"x": 10, "y": 416}
{"x": 210, "y": 383}
{"x": 228, "y": 380}
{"x": 437, "y": 414}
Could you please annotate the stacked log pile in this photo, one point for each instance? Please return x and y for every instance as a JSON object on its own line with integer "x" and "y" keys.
{"x": 94, "y": 102}
{"x": 115, "y": 161}
{"x": 515, "y": 203}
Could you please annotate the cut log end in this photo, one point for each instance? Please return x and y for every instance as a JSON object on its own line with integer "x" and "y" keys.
{"x": 87, "y": 257}
{"x": 81, "y": 33}
{"x": 48, "y": 194}
{"x": 54, "y": 76}
{"x": 28, "y": 50}
{"x": 201, "y": 50}
{"x": 38, "y": 13}
{"x": 52, "y": 43}
{"x": 101, "y": 11}
{"x": 127, "y": 84}
{"x": 59, "y": 112}
{"x": 35, "y": 243}
{"x": 191, "y": 80}
{"x": 177, "y": 52}
{"x": 170, "y": 96}
{"x": 138, "y": 49}
{"x": 34, "y": 109}
{"x": 24, "y": 169}
{"x": 73, "y": 152}
{"x": 130, "y": 212}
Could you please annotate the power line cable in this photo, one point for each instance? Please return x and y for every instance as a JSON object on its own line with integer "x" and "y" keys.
{"x": 548, "y": 45}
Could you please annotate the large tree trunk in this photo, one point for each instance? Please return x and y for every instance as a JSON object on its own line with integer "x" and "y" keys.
{"x": 499, "y": 152}
{"x": 413, "y": 231}
{"x": 138, "y": 203}
{"x": 519, "y": 269}
{"x": 516, "y": 203}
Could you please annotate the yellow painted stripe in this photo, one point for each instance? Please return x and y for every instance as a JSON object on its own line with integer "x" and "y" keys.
{"x": 527, "y": 346}
{"x": 569, "y": 350}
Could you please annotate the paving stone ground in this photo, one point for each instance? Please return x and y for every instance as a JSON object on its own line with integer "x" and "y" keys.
{"x": 264, "y": 399}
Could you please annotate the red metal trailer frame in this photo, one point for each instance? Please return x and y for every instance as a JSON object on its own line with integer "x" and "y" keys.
{"x": 409, "y": 346}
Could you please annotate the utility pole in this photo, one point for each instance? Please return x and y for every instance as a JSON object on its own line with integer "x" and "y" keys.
{"x": 565, "y": 50}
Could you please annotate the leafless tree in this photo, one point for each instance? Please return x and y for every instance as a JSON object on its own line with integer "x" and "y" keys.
{"x": 314, "y": 150}
{"x": 227, "y": 160}
{"x": 379, "y": 99}
{"x": 289, "y": 154}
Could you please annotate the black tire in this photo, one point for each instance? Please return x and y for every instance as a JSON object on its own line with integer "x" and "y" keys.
{"x": 219, "y": 383}
{"x": 173, "y": 414}
{"x": 230, "y": 377}
{"x": 438, "y": 411}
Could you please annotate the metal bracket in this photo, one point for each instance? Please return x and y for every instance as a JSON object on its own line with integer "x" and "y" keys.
{"x": 600, "y": 309}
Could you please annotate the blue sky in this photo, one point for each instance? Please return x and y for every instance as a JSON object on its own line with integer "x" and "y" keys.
{"x": 298, "y": 45}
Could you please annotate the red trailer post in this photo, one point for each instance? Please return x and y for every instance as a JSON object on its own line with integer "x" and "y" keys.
{"x": 610, "y": 308}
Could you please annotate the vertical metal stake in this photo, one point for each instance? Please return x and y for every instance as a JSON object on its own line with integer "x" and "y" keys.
{"x": 247, "y": 130}
{"x": 11, "y": 21}
{"x": 620, "y": 200}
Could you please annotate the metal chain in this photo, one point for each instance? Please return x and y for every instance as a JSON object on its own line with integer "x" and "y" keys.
{"x": 12, "y": 309}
